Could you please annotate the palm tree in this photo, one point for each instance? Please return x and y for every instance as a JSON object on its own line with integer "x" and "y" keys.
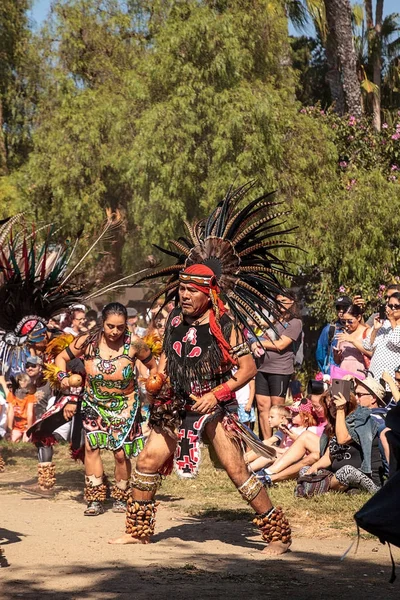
{"x": 332, "y": 21}
{"x": 341, "y": 57}
{"x": 378, "y": 58}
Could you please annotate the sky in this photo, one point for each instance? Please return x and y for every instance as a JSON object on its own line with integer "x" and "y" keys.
{"x": 41, "y": 9}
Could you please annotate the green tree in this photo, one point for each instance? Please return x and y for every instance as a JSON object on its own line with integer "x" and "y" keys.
{"x": 14, "y": 42}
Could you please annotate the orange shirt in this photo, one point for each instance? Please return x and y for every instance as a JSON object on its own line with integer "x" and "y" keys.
{"x": 21, "y": 409}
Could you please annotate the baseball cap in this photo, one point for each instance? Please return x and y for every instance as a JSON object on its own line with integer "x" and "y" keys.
{"x": 343, "y": 301}
{"x": 132, "y": 312}
{"x": 34, "y": 360}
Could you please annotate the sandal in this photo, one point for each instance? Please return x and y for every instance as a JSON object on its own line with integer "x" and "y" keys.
{"x": 119, "y": 506}
{"x": 93, "y": 509}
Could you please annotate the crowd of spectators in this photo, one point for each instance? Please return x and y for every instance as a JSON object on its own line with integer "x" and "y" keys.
{"x": 331, "y": 436}
{"x": 25, "y": 395}
{"x": 337, "y": 435}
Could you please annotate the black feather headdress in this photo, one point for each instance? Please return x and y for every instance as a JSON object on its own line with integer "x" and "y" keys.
{"x": 238, "y": 245}
{"x": 35, "y": 284}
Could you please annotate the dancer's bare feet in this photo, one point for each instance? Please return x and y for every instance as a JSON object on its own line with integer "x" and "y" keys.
{"x": 275, "y": 549}
{"x": 128, "y": 539}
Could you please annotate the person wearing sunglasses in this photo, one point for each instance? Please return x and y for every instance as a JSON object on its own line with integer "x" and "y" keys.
{"x": 350, "y": 353}
{"x": 384, "y": 342}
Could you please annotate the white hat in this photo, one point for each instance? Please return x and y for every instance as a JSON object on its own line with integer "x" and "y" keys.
{"x": 373, "y": 386}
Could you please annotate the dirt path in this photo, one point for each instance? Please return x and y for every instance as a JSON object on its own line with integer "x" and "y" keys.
{"x": 53, "y": 549}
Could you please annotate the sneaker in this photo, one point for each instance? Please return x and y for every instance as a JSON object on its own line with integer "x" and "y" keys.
{"x": 119, "y": 506}
{"x": 264, "y": 477}
{"x": 36, "y": 490}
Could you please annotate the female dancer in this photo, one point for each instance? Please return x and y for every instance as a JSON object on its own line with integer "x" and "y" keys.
{"x": 110, "y": 403}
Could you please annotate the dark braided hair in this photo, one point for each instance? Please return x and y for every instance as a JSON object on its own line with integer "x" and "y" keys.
{"x": 93, "y": 339}
{"x": 114, "y": 308}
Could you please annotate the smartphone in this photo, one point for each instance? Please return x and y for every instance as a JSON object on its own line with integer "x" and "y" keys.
{"x": 341, "y": 386}
{"x": 382, "y": 312}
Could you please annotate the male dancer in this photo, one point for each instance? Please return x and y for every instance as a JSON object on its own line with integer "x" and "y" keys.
{"x": 200, "y": 347}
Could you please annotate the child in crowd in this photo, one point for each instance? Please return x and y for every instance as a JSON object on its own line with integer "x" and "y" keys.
{"x": 20, "y": 412}
{"x": 245, "y": 399}
{"x": 291, "y": 422}
{"x": 279, "y": 421}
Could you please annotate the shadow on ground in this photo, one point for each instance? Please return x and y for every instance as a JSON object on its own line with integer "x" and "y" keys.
{"x": 301, "y": 575}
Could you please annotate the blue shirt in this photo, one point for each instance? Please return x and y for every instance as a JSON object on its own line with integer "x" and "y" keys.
{"x": 324, "y": 352}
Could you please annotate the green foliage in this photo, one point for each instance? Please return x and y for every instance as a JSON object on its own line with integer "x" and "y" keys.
{"x": 17, "y": 84}
{"x": 353, "y": 235}
{"x": 156, "y": 108}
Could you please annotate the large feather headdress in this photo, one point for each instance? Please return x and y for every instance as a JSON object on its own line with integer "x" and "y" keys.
{"x": 238, "y": 245}
{"x": 36, "y": 282}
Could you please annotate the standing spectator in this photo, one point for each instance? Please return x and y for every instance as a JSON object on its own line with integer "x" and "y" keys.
{"x": 384, "y": 341}
{"x": 350, "y": 353}
{"x": 277, "y": 364}
{"x": 20, "y": 412}
{"x": 390, "y": 290}
{"x": 132, "y": 322}
{"x": 328, "y": 336}
{"x": 75, "y": 322}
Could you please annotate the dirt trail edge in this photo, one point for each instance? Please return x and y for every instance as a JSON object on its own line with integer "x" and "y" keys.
{"x": 54, "y": 551}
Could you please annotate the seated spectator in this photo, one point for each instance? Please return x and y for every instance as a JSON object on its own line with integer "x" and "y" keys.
{"x": 394, "y": 384}
{"x": 352, "y": 453}
{"x": 279, "y": 420}
{"x": 349, "y": 449}
{"x": 328, "y": 336}
{"x": 384, "y": 341}
{"x": 350, "y": 353}
{"x": 20, "y": 412}
{"x": 303, "y": 420}
{"x": 381, "y": 413}
{"x": 316, "y": 388}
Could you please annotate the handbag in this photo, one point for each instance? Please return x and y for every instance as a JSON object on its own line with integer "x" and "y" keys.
{"x": 313, "y": 484}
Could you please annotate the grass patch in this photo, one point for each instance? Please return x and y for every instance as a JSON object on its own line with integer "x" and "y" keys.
{"x": 210, "y": 495}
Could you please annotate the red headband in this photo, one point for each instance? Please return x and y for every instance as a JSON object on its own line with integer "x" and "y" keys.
{"x": 200, "y": 277}
{"x": 203, "y": 279}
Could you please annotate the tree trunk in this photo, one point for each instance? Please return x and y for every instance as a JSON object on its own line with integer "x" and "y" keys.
{"x": 377, "y": 65}
{"x": 342, "y": 62}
